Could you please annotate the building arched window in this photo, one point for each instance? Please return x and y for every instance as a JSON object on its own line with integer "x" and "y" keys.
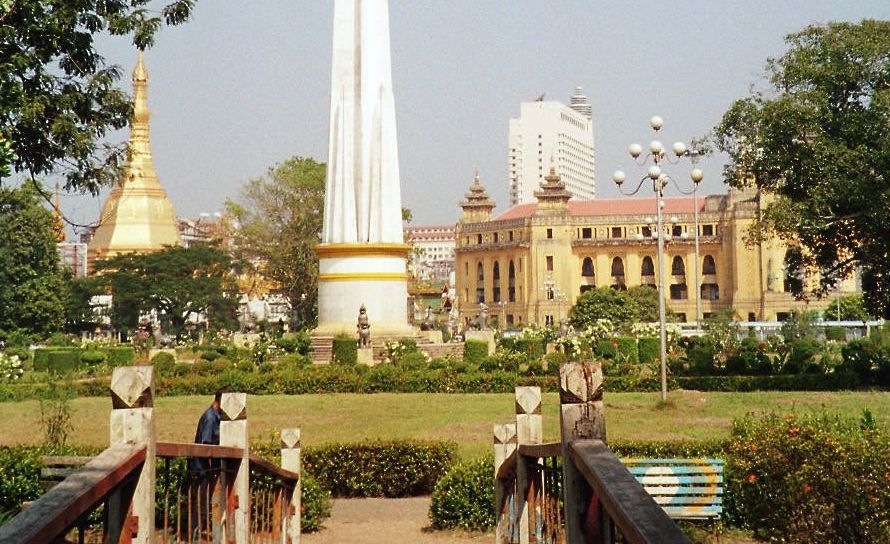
{"x": 618, "y": 274}
{"x": 647, "y": 268}
{"x": 480, "y": 283}
{"x": 587, "y": 267}
{"x": 678, "y": 267}
{"x": 496, "y": 282}
{"x": 708, "y": 267}
{"x": 511, "y": 282}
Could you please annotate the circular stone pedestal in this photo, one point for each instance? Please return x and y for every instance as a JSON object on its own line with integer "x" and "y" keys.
{"x": 373, "y": 275}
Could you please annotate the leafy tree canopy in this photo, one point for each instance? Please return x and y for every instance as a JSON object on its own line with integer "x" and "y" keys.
{"x": 819, "y": 139}
{"x": 637, "y": 304}
{"x": 58, "y": 98}
{"x": 33, "y": 286}
{"x": 276, "y": 225}
{"x": 177, "y": 281}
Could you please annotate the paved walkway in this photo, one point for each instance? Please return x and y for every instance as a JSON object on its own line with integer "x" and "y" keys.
{"x": 386, "y": 520}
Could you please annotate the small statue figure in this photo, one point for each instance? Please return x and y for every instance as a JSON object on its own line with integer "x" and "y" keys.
{"x": 429, "y": 323}
{"x": 364, "y": 328}
{"x": 481, "y": 321}
{"x": 563, "y": 328}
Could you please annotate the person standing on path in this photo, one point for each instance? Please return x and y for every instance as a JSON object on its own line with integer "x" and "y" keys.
{"x": 203, "y": 470}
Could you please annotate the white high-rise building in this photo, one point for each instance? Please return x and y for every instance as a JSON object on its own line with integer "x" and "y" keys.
{"x": 550, "y": 131}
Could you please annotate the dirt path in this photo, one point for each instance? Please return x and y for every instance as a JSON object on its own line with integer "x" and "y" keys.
{"x": 386, "y": 520}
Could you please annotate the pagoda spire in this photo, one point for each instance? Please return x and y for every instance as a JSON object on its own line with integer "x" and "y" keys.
{"x": 138, "y": 216}
{"x": 476, "y": 205}
{"x": 140, "y": 169}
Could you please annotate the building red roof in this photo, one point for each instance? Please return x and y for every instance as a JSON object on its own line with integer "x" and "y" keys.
{"x": 611, "y": 206}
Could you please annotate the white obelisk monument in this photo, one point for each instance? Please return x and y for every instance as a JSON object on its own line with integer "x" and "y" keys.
{"x": 362, "y": 255}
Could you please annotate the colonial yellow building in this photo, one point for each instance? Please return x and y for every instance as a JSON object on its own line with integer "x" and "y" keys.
{"x": 532, "y": 262}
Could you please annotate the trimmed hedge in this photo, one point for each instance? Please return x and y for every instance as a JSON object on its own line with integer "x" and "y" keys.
{"x": 627, "y": 349}
{"x": 475, "y": 351}
{"x": 405, "y": 468}
{"x": 837, "y": 381}
{"x": 649, "y": 348}
{"x": 464, "y": 498}
{"x": 62, "y": 359}
{"x": 344, "y": 350}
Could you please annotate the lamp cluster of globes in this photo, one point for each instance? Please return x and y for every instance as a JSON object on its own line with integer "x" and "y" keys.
{"x": 657, "y": 152}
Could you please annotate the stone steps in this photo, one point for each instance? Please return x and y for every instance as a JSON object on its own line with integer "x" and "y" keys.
{"x": 322, "y": 349}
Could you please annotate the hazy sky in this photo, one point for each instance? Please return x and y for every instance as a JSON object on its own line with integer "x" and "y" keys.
{"x": 245, "y": 85}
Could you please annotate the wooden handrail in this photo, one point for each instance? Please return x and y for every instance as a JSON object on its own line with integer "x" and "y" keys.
{"x": 272, "y": 469}
{"x": 636, "y": 514}
{"x": 549, "y": 449}
{"x": 184, "y": 449}
{"x": 58, "y": 510}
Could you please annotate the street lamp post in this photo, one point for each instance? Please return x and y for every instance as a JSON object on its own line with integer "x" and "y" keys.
{"x": 660, "y": 180}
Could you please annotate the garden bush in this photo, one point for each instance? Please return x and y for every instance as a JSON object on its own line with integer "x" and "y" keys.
{"x": 649, "y": 348}
{"x": 120, "y": 355}
{"x": 20, "y": 481}
{"x": 295, "y": 342}
{"x": 626, "y": 349}
{"x": 605, "y": 348}
{"x": 837, "y": 334}
{"x": 464, "y": 497}
{"x": 315, "y": 503}
{"x": 92, "y": 357}
{"x": 344, "y": 350}
{"x": 475, "y": 351}
{"x": 811, "y": 479}
{"x": 802, "y": 356}
{"x": 507, "y": 361}
{"x": 403, "y": 468}
{"x": 164, "y": 364}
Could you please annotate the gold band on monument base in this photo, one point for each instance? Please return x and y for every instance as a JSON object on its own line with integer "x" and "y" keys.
{"x": 362, "y": 250}
{"x": 364, "y": 276}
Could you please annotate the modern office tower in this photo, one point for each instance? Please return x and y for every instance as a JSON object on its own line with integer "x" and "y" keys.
{"x": 549, "y": 132}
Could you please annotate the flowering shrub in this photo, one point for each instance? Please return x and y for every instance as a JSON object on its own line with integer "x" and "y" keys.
{"x": 813, "y": 479}
{"x": 10, "y": 368}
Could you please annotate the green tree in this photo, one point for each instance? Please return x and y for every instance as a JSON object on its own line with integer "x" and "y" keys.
{"x": 622, "y": 307}
{"x": 177, "y": 281}
{"x": 819, "y": 139}
{"x": 277, "y": 224}
{"x": 58, "y": 98}
{"x": 852, "y": 308}
{"x": 33, "y": 288}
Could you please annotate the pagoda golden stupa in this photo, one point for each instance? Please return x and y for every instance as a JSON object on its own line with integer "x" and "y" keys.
{"x": 138, "y": 216}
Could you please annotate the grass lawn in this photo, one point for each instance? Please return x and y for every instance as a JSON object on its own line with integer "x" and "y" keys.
{"x": 465, "y": 419}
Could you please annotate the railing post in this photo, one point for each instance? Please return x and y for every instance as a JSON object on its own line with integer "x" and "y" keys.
{"x": 504, "y": 449}
{"x": 233, "y": 432}
{"x": 581, "y": 417}
{"x": 290, "y": 460}
{"x": 529, "y": 430}
{"x": 132, "y": 422}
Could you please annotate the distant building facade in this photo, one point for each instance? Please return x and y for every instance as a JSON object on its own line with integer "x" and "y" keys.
{"x": 532, "y": 262}
{"x": 73, "y": 256}
{"x": 432, "y": 257}
{"x": 550, "y": 132}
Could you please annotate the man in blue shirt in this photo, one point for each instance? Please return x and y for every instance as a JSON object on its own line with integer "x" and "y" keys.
{"x": 203, "y": 470}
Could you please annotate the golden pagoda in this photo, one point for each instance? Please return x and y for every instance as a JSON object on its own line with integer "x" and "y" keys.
{"x": 138, "y": 216}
